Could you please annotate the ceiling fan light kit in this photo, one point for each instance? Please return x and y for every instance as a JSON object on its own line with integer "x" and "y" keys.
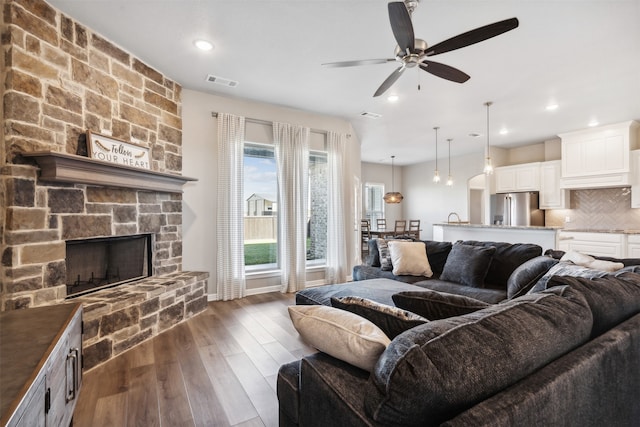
{"x": 392, "y": 197}
{"x": 411, "y": 52}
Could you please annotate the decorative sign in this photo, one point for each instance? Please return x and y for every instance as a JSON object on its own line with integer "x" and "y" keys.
{"x": 113, "y": 150}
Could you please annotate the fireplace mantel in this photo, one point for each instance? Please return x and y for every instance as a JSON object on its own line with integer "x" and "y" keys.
{"x": 62, "y": 167}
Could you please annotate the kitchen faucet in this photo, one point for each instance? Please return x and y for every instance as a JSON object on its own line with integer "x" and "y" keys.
{"x": 449, "y": 217}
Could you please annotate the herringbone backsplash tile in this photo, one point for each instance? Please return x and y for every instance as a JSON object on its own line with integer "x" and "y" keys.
{"x": 602, "y": 209}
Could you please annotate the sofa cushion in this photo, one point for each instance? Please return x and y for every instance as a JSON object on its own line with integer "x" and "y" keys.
{"x": 392, "y": 320}
{"x": 437, "y": 305}
{"x": 434, "y": 371}
{"x": 468, "y": 265}
{"x": 339, "y": 333}
{"x": 611, "y": 299}
{"x": 527, "y": 275}
{"x": 506, "y": 259}
{"x": 409, "y": 258}
{"x": 491, "y": 296}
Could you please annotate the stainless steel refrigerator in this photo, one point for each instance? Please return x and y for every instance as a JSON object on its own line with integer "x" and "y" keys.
{"x": 517, "y": 209}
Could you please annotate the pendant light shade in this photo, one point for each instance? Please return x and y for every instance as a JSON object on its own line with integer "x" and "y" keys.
{"x": 436, "y": 173}
{"x": 393, "y": 196}
{"x": 450, "y": 177}
{"x": 488, "y": 167}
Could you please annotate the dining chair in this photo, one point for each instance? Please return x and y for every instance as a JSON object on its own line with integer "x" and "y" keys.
{"x": 400, "y": 228}
{"x": 381, "y": 224}
{"x": 365, "y": 235}
{"x": 414, "y": 228}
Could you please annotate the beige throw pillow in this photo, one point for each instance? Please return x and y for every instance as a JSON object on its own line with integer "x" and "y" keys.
{"x": 339, "y": 333}
{"x": 588, "y": 261}
{"x": 409, "y": 258}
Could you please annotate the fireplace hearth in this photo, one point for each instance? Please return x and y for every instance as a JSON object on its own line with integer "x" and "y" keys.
{"x": 94, "y": 264}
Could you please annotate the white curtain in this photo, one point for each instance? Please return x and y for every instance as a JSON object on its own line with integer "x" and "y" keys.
{"x": 292, "y": 157}
{"x": 230, "y": 212}
{"x": 336, "y": 270}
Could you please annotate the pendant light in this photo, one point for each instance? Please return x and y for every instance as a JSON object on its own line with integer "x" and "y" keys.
{"x": 392, "y": 196}
{"x": 450, "y": 178}
{"x": 488, "y": 168}
{"x": 436, "y": 174}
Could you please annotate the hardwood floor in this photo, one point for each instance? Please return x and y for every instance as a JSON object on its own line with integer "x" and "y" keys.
{"x": 216, "y": 369}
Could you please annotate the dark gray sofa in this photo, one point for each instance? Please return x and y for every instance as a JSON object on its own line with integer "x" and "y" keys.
{"x": 494, "y": 288}
{"x": 567, "y": 354}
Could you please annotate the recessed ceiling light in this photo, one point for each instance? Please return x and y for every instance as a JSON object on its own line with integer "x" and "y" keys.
{"x": 504, "y": 131}
{"x": 593, "y": 123}
{"x": 393, "y": 98}
{"x": 203, "y": 44}
{"x": 551, "y": 107}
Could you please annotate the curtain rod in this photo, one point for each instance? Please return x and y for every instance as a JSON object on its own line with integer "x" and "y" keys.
{"x": 266, "y": 122}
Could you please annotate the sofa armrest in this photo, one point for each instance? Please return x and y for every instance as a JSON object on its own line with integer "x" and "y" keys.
{"x": 332, "y": 393}
{"x": 288, "y": 388}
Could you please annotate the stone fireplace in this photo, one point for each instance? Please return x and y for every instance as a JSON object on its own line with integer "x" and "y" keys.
{"x": 94, "y": 264}
{"x": 63, "y": 79}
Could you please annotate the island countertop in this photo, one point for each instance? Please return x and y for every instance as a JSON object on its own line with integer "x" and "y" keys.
{"x": 546, "y": 237}
{"x": 507, "y": 227}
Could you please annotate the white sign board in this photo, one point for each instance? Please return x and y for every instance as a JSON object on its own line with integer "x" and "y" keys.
{"x": 112, "y": 150}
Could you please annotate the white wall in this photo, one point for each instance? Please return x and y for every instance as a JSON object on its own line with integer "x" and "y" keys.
{"x": 380, "y": 173}
{"x": 199, "y": 161}
{"x": 430, "y": 202}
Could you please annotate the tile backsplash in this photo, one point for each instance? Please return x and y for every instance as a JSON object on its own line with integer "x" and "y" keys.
{"x": 597, "y": 209}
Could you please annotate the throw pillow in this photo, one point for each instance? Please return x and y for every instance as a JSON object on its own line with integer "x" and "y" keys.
{"x": 435, "y": 305}
{"x": 385, "y": 255}
{"x": 468, "y": 265}
{"x": 527, "y": 275}
{"x": 506, "y": 259}
{"x": 588, "y": 261}
{"x": 437, "y": 252}
{"x": 391, "y": 320}
{"x": 409, "y": 258}
{"x": 565, "y": 269}
{"x": 339, "y": 333}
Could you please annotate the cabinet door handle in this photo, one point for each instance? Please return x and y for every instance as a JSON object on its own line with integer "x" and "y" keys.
{"x": 72, "y": 362}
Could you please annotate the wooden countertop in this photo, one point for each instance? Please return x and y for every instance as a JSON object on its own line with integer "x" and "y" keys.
{"x": 27, "y": 338}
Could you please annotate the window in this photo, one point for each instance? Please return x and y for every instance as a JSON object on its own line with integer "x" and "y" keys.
{"x": 261, "y": 207}
{"x": 373, "y": 202}
{"x": 317, "y": 215}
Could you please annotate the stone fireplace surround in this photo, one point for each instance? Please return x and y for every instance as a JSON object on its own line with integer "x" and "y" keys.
{"x": 46, "y": 214}
{"x": 60, "y": 79}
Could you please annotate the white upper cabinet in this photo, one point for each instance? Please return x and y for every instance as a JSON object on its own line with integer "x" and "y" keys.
{"x": 551, "y": 195}
{"x": 525, "y": 177}
{"x": 598, "y": 157}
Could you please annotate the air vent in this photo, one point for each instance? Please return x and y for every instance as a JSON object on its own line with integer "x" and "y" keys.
{"x": 221, "y": 81}
{"x": 370, "y": 115}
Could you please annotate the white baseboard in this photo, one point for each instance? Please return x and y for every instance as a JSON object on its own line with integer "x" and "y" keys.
{"x": 275, "y": 288}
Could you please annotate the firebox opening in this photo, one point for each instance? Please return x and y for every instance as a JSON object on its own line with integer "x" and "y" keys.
{"x": 94, "y": 264}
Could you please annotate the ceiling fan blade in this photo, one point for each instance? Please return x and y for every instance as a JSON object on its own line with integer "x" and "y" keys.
{"x": 473, "y": 36}
{"x": 444, "y": 71}
{"x": 401, "y": 26}
{"x": 389, "y": 81}
{"x": 357, "y": 62}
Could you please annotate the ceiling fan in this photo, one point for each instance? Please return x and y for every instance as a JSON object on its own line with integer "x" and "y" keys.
{"x": 412, "y": 52}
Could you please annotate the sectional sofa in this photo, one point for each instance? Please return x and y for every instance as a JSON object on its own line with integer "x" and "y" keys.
{"x": 564, "y": 353}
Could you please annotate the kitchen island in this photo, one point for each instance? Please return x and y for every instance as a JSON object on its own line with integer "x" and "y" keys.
{"x": 546, "y": 237}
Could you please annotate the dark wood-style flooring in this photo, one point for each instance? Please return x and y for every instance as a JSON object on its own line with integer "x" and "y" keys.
{"x": 216, "y": 369}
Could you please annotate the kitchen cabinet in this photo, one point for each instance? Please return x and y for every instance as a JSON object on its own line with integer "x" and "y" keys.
{"x": 635, "y": 178}
{"x": 598, "y": 157}
{"x": 596, "y": 244}
{"x": 633, "y": 246}
{"x": 525, "y": 177}
{"x": 40, "y": 365}
{"x": 551, "y": 195}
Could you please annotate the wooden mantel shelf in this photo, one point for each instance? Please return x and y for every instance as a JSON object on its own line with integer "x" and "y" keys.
{"x": 62, "y": 167}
